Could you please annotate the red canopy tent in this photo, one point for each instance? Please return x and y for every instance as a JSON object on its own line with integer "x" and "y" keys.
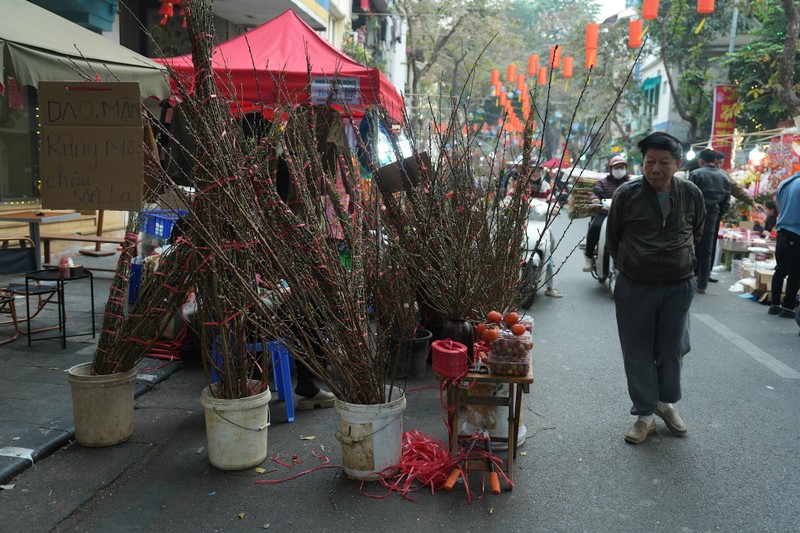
{"x": 284, "y": 61}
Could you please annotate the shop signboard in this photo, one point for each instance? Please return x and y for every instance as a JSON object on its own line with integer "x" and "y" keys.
{"x": 724, "y": 121}
{"x": 91, "y": 145}
{"x": 336, "y": 90}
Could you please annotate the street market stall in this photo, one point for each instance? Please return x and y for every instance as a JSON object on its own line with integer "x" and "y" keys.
{"x": 285, "y": 62}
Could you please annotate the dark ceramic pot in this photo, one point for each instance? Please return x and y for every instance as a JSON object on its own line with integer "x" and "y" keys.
{"x": 459, "y": 331}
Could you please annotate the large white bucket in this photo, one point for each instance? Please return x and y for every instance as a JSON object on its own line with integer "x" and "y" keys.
{"x": 371, "y": 436}
{"x": 236, "y": 430}
{"x": 102, "y": 406}
{"x": 493, "y": 418}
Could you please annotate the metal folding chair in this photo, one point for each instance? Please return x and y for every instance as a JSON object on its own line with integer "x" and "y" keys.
{"x": 18, "y": 256}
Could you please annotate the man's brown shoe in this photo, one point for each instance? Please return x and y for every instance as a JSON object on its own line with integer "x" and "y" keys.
{"x": 672, "y": 419}
{"x": 640, "y": 431}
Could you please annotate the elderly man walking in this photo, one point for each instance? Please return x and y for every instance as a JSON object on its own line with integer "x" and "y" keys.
{"x": 652, "y": 229}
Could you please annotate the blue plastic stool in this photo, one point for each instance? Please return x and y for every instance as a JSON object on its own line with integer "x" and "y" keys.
{"x": 282, "y": 367}
{"x": 282, "y": 363}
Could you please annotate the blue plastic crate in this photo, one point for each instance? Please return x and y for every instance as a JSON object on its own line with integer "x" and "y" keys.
{"x": 134, "y": 282}
{"x": 159, "y": 223}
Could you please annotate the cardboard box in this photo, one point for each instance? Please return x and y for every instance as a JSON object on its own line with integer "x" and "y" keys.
{"x": 91, "y": 145}
{"x": 749, "y": 285}
{"x": 764, "y": 279}
{"x": 746, "y": 224}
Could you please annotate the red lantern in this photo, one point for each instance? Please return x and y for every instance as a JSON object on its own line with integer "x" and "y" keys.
{"x": 555, "y": 57}
{"x": 567, "y": 73}
{"x": 705, "y": 7}
{"x": 512, "y": 73}
{"x": 542, "y": 76}
{"x": 635, "y": 36}
{"x": 484, "y": 128}
{"x": 649, "y": 9}
{"x": 503, "y": 99}
{"x": 520, "y": 82}
{"x": 592, "y": 31}
{"x": 495, "y": 77}
{"x": 591, "y": 58}
{"x": 475, "y": 128}
{"x": 533, "y": 65}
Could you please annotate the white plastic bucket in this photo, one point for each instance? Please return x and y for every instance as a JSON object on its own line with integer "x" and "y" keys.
{"x": 371, "y": 436}
{"x": 236, "y": 430}
{"x": 102, "y": 406}
{"x": 493, "y": 418}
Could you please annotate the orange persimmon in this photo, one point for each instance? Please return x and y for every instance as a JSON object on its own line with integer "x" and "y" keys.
{"x": 493, "y": 317}
{"x": 511, "y": 319}
{"x": 491, "y": 334}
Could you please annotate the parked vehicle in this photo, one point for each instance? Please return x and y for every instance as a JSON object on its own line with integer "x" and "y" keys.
{"x": 536, "y": 252}
{"x": 603, "y": 267}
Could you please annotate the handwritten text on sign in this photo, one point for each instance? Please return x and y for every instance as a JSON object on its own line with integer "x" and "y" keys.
{"x": 91, "y": 145}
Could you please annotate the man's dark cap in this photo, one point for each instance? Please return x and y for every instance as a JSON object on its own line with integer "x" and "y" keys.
{"x": 661, "y": 141}
{"x": 719, "y": 155}
{"x": 708, "y": 155}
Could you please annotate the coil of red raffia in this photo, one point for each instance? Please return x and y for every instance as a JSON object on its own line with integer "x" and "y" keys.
{"x": 449, "y": 358}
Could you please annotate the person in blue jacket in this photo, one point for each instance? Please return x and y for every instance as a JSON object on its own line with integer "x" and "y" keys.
{"x": 787, "y": 248}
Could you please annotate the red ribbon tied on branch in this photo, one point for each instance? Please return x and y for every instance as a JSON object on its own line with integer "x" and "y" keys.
{"x": 167, "y": 11}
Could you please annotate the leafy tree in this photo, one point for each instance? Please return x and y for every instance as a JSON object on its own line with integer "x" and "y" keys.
{"x": 431, "y": 25}
{"x": 766, "y": 70}
{"x": 684, "y": 53}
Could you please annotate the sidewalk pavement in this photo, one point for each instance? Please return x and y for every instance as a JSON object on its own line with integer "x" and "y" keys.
{"x": 35, "y": 404}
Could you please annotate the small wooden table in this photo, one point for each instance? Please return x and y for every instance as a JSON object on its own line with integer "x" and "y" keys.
{"x": 34, "y": 219}
{"x": 517, "y": 385}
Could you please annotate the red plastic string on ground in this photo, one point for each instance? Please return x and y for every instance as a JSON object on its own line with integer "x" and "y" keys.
{"x": 326, "y": 463}
{"x": 425, "y": 462}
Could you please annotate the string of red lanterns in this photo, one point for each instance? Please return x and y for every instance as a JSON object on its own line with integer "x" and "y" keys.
{"x": 635, "y": 38}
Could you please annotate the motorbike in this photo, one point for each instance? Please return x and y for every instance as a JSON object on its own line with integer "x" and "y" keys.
{"x": 537, "y": 261}
{"x": 603, "y": 267}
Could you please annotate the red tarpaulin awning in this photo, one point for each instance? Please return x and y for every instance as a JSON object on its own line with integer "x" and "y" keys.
{"x": 285, "y": 62}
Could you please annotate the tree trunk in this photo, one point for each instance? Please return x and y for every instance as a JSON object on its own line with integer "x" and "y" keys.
{"x": 673, "y": 86}
{"x": 786, "y": 92}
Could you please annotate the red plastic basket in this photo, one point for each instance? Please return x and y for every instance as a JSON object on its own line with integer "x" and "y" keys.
{"x": 449, "y": 358}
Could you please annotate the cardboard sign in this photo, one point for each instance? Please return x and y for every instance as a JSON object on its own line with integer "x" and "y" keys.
{"x": 91, "y": 145}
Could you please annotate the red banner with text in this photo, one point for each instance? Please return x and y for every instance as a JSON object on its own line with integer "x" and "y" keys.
{"x": 724, "y": 121}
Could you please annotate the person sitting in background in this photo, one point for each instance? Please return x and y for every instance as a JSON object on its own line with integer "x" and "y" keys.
{"x": 603, "y": 189}
{"x": 540, "y": 187}
{"x": 771, "y": 209}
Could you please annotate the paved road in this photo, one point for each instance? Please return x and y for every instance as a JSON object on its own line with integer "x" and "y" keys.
{"x": 736, "y": 470}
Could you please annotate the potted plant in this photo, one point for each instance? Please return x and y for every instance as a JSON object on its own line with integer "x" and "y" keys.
{"x": 102, "y": 390}
{"x": 397, "y": 314}
{"x": 245, "y": 242}
{"x": 467, "y": 239}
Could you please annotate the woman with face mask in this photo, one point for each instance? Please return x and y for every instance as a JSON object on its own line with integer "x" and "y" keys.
{"x": 604, "y": 188}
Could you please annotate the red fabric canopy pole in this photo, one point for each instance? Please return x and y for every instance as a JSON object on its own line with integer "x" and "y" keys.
{"x": 269, "y": 67}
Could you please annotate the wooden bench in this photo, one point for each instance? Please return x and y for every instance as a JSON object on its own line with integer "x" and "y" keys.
{"x": 97, "y": 239}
